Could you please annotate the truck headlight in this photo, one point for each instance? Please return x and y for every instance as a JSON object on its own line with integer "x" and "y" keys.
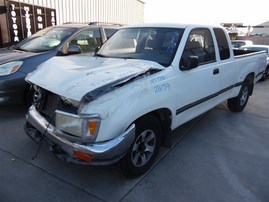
{"x": 82, "y": 126}
{"x": 10, "y": 67}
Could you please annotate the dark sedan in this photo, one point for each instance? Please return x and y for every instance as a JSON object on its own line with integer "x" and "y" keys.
{"x": 17, "y": 61}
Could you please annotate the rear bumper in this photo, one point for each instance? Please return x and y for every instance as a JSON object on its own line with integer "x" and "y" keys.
{"x": 102, "y": 153}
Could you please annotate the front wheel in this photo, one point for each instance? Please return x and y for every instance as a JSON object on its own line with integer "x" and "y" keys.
{"x": 238, "y": 103}
{"x": 144, "y": 149}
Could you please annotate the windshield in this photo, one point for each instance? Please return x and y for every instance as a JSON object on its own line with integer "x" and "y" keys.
{"x": 154, "y": 44}
{"x": 45, "y": 39}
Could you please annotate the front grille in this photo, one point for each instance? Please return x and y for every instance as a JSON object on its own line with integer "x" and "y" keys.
{"x": 50, "y": 105}
{"x": 48, "y": 102}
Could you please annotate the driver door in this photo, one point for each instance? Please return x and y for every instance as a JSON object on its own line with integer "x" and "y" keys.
{"x": 198, "y": 87}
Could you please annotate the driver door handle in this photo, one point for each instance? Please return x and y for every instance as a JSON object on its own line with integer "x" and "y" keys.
{"x": 216, "y": 71}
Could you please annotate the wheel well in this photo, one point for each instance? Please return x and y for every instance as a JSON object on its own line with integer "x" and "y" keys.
{"x": 267, "y": 68}
{"x": 27, "y": 95}
{"x": 164, "y": 115}
{"x": 250, "y": 79}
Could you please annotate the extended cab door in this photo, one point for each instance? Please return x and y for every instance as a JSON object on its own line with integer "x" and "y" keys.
{"x": 197, "y": 88}
{"x": 226, "y": 65}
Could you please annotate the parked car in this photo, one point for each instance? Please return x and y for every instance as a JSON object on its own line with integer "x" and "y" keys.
{"x": 238, "y": 43}
{"x": 61, "y": 40}
{"x": 260, "y": 48}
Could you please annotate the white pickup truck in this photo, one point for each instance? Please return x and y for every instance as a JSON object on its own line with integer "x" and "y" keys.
{"x": 122, "y": 104}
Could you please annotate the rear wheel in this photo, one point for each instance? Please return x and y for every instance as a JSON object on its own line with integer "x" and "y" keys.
{"x": 144, "y": 149}
{"x": 238, "y": 103}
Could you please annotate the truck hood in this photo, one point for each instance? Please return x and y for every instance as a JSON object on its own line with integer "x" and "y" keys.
{"x": 74, "y": 76}
{"x": 7, "y": 55}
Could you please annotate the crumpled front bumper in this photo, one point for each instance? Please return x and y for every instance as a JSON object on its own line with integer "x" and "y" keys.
{"x": 102, "y": 153}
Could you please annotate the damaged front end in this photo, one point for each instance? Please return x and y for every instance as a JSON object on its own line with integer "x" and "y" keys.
{"x": 64, "y": 114}
{"x": 72, "y": 135}
{"x": 71, "y": 148}
{"x": 98, "y": 92}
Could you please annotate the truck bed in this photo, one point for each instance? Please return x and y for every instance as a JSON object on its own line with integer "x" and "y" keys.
{"x": 245, "y": 52}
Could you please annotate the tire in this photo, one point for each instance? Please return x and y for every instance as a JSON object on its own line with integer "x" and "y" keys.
{"x": 238, "y": 103}
{"x": 143, "y": 151}
{"x": 265, "y": 74}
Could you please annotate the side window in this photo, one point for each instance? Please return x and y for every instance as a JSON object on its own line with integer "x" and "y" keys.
{"x": 223, "y": 46}
{"x": 200, "y": 44}
{"x": 88, "y": 40}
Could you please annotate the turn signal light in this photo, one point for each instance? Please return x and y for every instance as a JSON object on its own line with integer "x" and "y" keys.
{"x": 86, "y": 157}
{"x": 15, "y": 68}
{"x": 92, "y": 125}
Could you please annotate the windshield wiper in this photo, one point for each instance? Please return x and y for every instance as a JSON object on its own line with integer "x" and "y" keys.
{"x": 20, "y": 49}
{"x": 126, "y": 58}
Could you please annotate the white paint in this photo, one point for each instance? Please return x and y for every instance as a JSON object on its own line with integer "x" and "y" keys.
{"x": 27, "y": 20}
{"x": 39, "y": 18}
{"x": 52, "y": 18}
{"x": 86, "y": 73}
{"x": 14, "y": 25}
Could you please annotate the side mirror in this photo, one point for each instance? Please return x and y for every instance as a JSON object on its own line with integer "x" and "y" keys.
{"x": 188, "y": 63}
{"x": 74, "y": 49}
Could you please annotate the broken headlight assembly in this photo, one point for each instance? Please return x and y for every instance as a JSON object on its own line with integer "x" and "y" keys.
{"x": 82, "y": 126}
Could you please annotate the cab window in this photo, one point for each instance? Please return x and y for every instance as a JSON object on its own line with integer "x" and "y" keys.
{"x": 223, "y": 46}
{"x": 200, "y": 44}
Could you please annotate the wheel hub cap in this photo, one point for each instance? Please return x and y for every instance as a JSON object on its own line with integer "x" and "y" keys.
{"x": 244, "y": 97}
{"x": 143, "y": 148}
